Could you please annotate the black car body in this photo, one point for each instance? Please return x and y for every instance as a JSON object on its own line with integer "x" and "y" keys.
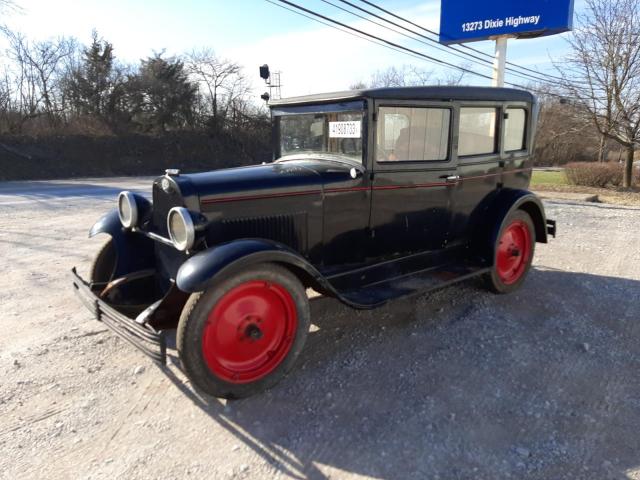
{"x": 372, "y": 195}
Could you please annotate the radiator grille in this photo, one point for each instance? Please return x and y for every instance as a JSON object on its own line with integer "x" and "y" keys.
{"x": 162, "y": 203}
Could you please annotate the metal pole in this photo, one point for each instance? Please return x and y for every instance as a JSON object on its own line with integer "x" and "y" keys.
{"x": 500, "y": 61}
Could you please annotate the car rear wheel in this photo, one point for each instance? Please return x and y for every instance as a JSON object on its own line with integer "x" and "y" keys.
{"x": 244, "y": 333}
{"x": 513, "y": 253}
{"x": 104, "y": 264}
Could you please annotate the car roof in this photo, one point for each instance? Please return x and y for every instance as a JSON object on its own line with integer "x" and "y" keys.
{"x": 414, "y": 93}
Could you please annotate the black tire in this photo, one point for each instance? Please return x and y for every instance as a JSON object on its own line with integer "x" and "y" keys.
{"x": 195, "y": 319}
{"x": 493, "y": 280}
{"x": 104, "y": 264}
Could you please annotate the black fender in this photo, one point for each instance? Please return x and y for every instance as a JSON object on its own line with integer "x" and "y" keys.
{"x": 207, "y": 267}
{"x": 491, "y": 215}
{"x": 133, "y": 252}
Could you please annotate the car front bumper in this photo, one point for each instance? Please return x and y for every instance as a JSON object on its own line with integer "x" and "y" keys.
{"x": 144, "y": 337}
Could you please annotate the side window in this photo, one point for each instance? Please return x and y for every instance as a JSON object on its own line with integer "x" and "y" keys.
{"x": 515, "y": 128}
{"x": 412, "y": 134}
{"x": 477, "y": 131}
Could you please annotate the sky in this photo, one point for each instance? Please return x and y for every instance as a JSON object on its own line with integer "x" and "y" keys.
{"x": 312, "y": 57}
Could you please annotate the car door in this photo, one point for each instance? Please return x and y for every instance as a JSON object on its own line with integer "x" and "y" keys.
{"x": 477, "y": 154}
{"x": 492, "y": 152}
{"x": 412, "y": 179}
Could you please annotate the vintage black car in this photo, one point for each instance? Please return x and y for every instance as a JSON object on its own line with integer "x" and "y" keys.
{"x": 372, "y": 195}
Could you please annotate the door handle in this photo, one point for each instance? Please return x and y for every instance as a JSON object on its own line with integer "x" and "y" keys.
{"x": 452, "y": 178}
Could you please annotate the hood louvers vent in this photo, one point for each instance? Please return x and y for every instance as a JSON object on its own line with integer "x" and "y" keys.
{"x": 290, "y": 230}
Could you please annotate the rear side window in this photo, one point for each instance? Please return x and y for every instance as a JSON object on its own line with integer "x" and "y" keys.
{"x": 477, "y": 131}
{"x": 515, "y": 128}
{"x": 413, "y": 134}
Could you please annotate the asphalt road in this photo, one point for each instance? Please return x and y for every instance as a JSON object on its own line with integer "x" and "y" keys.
{"x": 456, "y": 384}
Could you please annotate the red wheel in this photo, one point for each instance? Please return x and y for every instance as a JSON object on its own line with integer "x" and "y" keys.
{"x": 513, "y": 253}
{"x": 250, "y": 331}
{"x": 243, "y": 334}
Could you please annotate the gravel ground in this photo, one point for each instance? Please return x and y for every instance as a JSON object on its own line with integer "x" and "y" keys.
{"x": 460, "y": 383}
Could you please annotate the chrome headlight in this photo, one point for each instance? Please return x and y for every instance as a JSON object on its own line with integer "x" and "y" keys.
{"x": 181, "y": 228}
{"x": 127, "y": 209}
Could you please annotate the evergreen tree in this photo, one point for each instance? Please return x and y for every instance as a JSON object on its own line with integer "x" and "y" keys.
{"x": 164, "y": 97}
{"x": 95, "y": 81}
{"x": 96, "y": 87}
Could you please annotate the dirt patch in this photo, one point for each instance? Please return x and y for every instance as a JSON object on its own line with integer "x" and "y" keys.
{"x": 458, "y": 384}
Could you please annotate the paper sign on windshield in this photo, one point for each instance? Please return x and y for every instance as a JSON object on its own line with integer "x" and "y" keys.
{"x": 345, "y": 129}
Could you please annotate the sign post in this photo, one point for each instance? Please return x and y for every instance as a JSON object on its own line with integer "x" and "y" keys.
{"x": 500, "y": 60}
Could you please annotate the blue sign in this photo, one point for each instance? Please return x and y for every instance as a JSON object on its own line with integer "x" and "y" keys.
{"x": 473, "y": 20}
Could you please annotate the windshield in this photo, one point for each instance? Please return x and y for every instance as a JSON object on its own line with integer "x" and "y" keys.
{"x": 338, "y": 133}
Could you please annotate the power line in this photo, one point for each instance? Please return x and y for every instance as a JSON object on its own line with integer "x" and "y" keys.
{"x": 437, "y": 47}
{"x": 341, "y": 29}
{"x": 392, "y": 44}
{"x": 434, "y": 43}
{"x": 401, "y": 49}
{"x": 466, "y": 47}
{"x": 397, "y": 47}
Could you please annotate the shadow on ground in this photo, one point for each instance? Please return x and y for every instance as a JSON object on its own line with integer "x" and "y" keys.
{"x": 458, "y": 384}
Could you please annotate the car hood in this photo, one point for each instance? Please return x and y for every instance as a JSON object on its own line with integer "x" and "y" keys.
{"x": 273, "y": 179}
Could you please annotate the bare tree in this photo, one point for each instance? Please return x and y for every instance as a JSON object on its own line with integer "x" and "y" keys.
{"x": 24, "y": 78}
{"x": 5, "y": 101}
{"x": 45, "y": 58}
{"x": 602, "y": 72}
{"x": 408, "y": 76}
{"x": 455, "y": 77}
{"x": 404, "y": 76}
{"x": 37, "y": 69}
{"x": 7, "y": 7}
{"x": 565, "y": 133}
{"x": 359, "y": 85}
{"x": 220, "y": 81}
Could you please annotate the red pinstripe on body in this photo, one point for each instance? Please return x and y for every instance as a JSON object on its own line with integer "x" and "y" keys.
{"x": 354, "y": 189}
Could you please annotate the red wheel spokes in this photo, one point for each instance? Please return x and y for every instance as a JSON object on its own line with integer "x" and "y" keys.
{"x": 250, "y": 331}
{"x": 514, "y": 252}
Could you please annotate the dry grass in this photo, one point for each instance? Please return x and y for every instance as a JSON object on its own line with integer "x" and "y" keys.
{"x": 599, "y": 175}
{"x": 606, "y": 195}
{"x": 548, "y": 177}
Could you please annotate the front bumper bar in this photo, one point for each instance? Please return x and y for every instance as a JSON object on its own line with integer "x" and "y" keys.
{"x": 151, "y": 342}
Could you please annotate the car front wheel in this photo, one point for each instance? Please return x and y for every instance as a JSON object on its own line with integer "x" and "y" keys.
{"x": 244, "y": 333}
{"x": 104, "y": 264}
{"x": 513, "y": 253}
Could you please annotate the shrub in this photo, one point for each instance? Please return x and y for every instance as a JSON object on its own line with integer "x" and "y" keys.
{"x": 588, "y": 174}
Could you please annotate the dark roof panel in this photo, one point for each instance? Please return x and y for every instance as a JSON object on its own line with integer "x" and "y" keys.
{"x": 415, "y": 93}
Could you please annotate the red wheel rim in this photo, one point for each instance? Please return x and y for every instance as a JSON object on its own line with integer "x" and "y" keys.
{"x": 514, "y": 252}
{"x": 250, "y": 331}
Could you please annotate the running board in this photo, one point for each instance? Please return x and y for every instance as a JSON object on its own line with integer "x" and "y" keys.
{"x": 378, "y": 293}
